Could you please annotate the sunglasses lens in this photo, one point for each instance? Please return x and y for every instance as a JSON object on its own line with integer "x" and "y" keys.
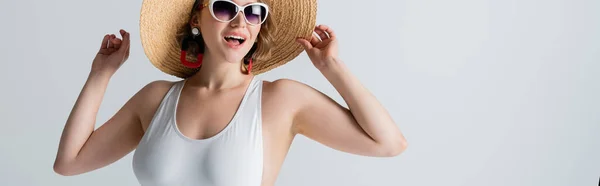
{"x": 255, "y": 14}
{"x": 224, "y": 10}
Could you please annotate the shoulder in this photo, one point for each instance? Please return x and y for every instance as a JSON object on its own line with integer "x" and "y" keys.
{"x": 147, "y": 100}
{"x": 281, "y": 101}
{"x": 291, "y": 92}
{"x": 155, "y": 89}
{"x": 285, "y": 87}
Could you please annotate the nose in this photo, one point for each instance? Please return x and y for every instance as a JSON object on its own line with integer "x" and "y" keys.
{"x": 239, "y": 20}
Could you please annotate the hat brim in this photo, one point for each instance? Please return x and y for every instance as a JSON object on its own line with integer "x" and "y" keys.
{"x": 160, "y": 20}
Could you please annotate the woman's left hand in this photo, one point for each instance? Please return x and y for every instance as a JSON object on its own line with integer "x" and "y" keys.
{"x": 324, "y": 51}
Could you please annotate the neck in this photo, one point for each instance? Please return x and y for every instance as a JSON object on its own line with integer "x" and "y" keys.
{"x": 218, "y": 74}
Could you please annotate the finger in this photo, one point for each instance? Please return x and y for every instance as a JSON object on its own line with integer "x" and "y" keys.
{"x": 126, "y": 42}
{"x": 127, "y": 49}
{"x": 127, "y": 53}
{"x": 321, "y": 33}
{"x": 104, "y": 44}
{"x": 121, "y": 44}
{"x": 314, "y": 40}
{"x": 328, "y": 31}
{"x": 110, "y": 43}
{"x": 305, "y": 44}
{"x": 117, "y": 43}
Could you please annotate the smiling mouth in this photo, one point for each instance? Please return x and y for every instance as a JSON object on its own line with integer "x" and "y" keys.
{"x": 234, "y": 40}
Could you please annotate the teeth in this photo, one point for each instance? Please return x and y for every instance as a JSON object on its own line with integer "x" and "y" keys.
{"x": 235, "y": 37}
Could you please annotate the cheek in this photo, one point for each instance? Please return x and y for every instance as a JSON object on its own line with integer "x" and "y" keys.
{"x": 254, "y": 31}
{"x": 211, "y": 33}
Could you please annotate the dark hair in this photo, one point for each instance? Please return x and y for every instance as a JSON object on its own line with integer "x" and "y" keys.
{"x": 261, "y": 50}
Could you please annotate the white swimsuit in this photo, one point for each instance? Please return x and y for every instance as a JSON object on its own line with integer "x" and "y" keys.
{"x": 233, "y": 157}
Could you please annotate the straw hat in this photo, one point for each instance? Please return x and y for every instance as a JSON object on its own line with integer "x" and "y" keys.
{"x": 161, "y": 19}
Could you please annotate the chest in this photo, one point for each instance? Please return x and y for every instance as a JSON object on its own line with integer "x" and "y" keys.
{"x": 176, "y": 160}
{"x": 241, "y": 150}
{"x": 232, "y": 156}
{"x": 204, "y": 116}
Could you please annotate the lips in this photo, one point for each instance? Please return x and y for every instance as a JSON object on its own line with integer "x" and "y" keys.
{"x": 234, "y": 40}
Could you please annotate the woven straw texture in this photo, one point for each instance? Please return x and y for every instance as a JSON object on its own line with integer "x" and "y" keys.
{"x": 161, "y": 19}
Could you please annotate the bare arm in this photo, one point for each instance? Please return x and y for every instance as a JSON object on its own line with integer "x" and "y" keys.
{"x": 82, "y": 148}
{"x": 366, "y": 128}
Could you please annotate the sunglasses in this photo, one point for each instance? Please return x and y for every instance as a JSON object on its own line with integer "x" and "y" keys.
{"x": 227, "y": 10}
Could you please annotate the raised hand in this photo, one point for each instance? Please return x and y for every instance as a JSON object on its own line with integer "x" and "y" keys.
{"x": 321, "y": 50}
{"x": 112, "y": 54}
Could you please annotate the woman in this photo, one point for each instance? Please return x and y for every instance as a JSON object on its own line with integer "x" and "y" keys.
{"x": 221, "y": 125}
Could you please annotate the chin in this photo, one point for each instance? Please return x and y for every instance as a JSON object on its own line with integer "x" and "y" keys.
{"x": 233, "y": 56}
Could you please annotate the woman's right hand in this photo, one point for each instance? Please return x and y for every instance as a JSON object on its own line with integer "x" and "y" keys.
{"x": 112, "y": 54}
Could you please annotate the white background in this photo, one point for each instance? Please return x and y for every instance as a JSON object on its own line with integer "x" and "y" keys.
{"x": 493, "y": 93}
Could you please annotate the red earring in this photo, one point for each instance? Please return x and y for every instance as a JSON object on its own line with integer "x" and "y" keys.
{"x": 189, "y": 64}
{"x": 184, "y": 47}
{"x": 250, "y": 66}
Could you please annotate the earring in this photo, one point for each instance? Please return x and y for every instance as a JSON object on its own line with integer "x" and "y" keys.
{"x": 250, "y": 66}
{"x": 189, "y": 64}
{"x": 184, "y": 47}
{"x": 195, "y": 31}
{"x": 252, "y": 50}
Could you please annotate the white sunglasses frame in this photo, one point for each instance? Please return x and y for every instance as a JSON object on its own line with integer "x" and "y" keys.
{"x": 240, "y": 9}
